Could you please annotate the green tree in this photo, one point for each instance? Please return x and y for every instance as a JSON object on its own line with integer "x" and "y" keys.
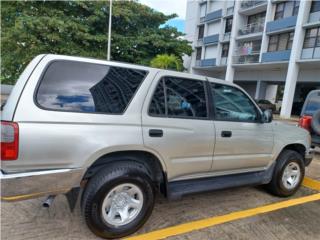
{"x": 166, "y": 61}
{"x": 29, "y": 28}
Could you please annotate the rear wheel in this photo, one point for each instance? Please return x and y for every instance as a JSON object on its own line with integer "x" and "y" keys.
{"x": 288, "y": 174}
{"x": 118, "y": 200}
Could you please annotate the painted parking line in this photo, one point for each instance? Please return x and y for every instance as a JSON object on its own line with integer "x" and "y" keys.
{"x": 311, "y": 183}
{"x": 213, "y": 221}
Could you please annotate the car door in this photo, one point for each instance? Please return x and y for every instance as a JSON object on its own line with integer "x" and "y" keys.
{"x": 243, "y": 142}
{"x": 176, "y": 124}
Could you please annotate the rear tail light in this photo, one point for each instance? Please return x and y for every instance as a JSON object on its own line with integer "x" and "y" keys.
{"x": 305, "y": 122}
{"x": 9, "y": 140}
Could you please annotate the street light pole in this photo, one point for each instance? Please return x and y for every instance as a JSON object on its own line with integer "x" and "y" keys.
{"x": 109, "y": 31}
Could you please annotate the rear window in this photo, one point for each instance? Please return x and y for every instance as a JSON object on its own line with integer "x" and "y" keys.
{"x": 87, "y": 87}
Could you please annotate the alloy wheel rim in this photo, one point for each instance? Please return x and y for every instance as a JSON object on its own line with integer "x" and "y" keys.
{"x": 122, "y": 204}
{"x": 291, "y": 175}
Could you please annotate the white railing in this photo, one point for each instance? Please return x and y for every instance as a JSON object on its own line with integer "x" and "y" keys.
{"x": 252, "y": 28}
{"x": 251, "y": 3}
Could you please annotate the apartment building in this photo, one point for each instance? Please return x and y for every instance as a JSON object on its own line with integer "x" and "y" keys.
{"x": 269, "y": 47}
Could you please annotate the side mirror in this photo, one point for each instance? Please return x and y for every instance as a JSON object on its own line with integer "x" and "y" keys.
{"x": 267, "y": 116}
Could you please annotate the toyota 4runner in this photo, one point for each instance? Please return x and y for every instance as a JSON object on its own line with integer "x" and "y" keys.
{"x": 115, "y": 134}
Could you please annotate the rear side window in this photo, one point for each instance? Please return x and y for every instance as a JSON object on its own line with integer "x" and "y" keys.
{"x": 87, "y": 87}
{"x": 179, "y": 97}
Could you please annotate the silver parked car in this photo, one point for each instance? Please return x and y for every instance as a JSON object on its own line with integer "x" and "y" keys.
{"x": 121, "y": 132}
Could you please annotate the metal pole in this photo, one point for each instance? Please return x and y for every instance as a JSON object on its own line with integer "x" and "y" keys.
{"x": 109, "y": 30}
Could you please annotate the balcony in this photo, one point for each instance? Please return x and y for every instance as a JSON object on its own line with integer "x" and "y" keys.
{"x": 224, "y": 61}
{"x": 252, "y": 3}
{"x": 278, "y": 56}
{"x": 210, "y": 62}
{"x": 199, "y": 42}
{"x": 247, "y": 54}
{"x": 281, "y": 24}
{"x": 252, "y": 28}
{"x": 212, "y": 39}
{"x": 244, "y": 59}
{"x": 310, "y": 53}
{"x": 229, "y": 11}
{"x": 226, "y": 37}
{"x": 216, "y": 15}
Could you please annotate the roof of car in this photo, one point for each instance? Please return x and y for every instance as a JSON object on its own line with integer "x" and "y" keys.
{"x": 147, "y": 68}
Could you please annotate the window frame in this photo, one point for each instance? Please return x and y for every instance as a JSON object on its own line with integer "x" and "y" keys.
{"x": 317, "y": 38}
{"x": 256, "y": 108}
{"x": 278, "y": 41}
{"x": 295, "y": 6}
{"x": 162, "y": 79}
{"x": 226, "y": 28}
{"x": 315, "y": 6}
{"x": 201, "y": 27}
{"x": 41, "y": 78}
{"x": 198, "y": 49}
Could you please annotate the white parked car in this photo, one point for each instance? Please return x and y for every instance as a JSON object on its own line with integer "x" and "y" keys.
{"x": 123, "y": 132}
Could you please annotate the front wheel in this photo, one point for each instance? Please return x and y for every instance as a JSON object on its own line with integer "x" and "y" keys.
{"x": 288, "y": 174}
{"x": 118, "y": 200}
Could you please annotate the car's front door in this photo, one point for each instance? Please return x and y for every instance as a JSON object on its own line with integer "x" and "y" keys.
{"x": 176, "y": 124}
{"x": 243, "y": 142}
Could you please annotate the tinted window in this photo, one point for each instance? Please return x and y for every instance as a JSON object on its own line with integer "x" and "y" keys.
{"x": 85, "y": 87}
{"x": 157, "y": 106}
{"x": 180, "y": 98}
{"x": 232, "y": 104}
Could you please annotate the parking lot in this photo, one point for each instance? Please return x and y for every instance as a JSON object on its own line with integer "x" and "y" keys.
{"x": 28, "y": 220}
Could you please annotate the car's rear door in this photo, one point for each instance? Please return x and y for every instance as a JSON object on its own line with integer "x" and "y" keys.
{"x": 243, "y": 142}
{"x": 176, "y": 124}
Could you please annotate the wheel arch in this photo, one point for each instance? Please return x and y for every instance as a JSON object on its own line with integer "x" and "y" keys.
{"x": 297, "y": 147}
{"x": 148, "y": 160}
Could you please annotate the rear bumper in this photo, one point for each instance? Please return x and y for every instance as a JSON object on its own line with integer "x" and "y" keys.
{"x": 21, "y": 186}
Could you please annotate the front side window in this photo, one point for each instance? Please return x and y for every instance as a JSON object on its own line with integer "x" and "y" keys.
{"x": 231, "y": 104}
{"x": 86, "y": 87}
{"x": 179, "y": 97}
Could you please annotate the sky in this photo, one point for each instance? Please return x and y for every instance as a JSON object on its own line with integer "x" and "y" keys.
{"x": 169, "y": 7}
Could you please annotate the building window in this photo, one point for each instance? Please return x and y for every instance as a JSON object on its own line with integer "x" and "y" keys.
{"x": 228, "y": 25}
{"x": 315, "y": 7}
{"x": 198, "y": 53}
{"x": 200, "y": 32}
{"x": 296, "y": 5}
{"x": 225, "y": 50}
{"x": 281, "y": 42}
{"x": 287, "y": 9}
{"x": 257, "y": 18}
{"x": 312, "y": 38}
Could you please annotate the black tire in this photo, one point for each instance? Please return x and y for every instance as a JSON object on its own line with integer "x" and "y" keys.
{"x": 101, "y": 184}
{"x": 315, "y": 124}
{"x": 276, "y": 186}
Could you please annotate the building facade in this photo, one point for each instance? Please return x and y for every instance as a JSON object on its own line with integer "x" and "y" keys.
{"x": 271, "y": 48}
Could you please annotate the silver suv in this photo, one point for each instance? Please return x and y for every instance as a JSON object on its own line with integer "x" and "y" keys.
{"x": 116, "y": 134}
